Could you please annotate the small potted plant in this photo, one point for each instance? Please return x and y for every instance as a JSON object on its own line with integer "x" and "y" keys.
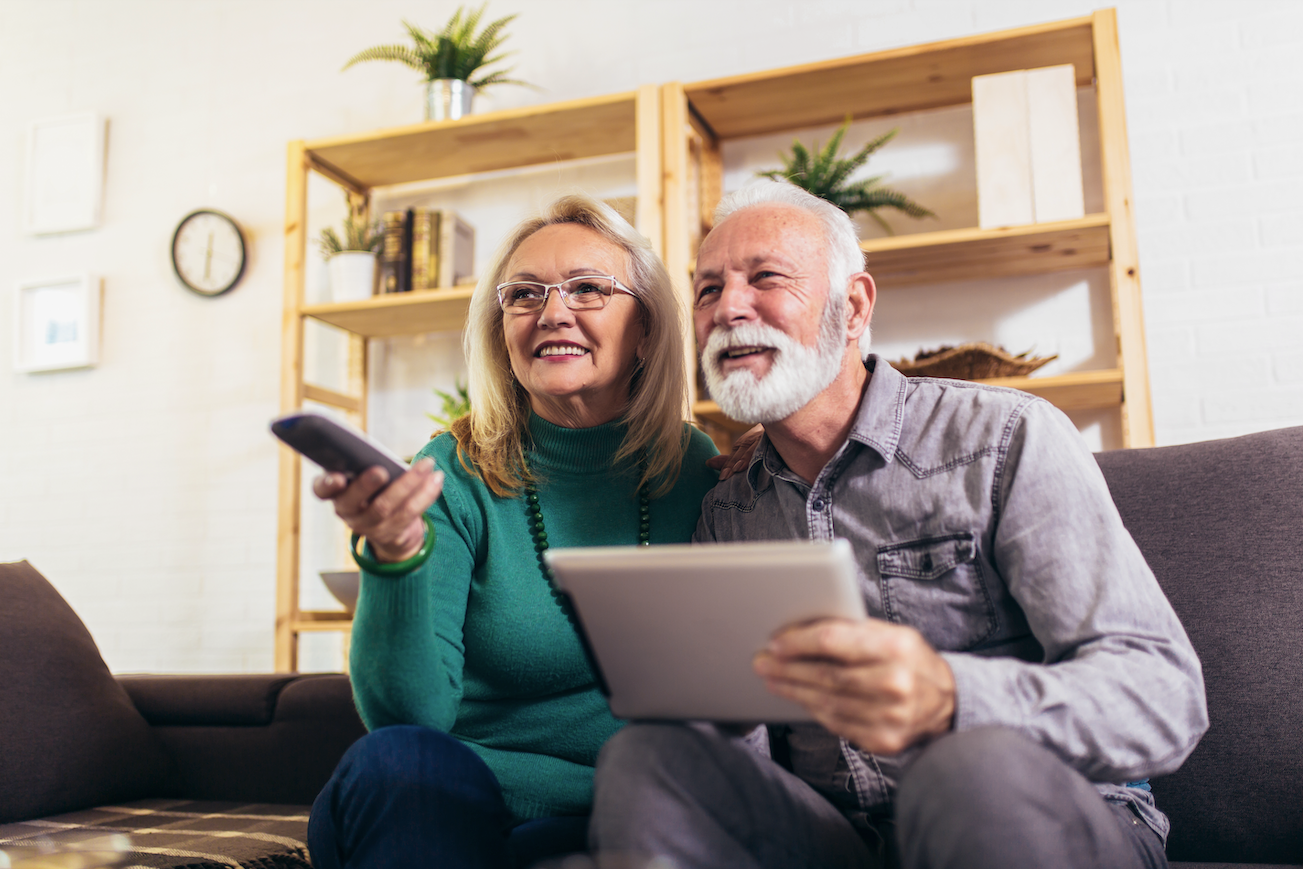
{"x": 449, "y": 59}
{"x": 351, "y": 259}
{"x": 825, "y": 175}
{"x": 455, "y": 405}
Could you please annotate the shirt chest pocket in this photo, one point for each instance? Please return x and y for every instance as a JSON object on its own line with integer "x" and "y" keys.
{"x": 935, "y": 584}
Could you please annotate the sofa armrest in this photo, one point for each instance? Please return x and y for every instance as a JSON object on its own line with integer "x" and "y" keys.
{"x": 207, "y": 700}
{"x": 272, "y": 738}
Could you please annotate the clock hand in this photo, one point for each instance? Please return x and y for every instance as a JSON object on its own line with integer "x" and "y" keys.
{"x": 208, "y": 257}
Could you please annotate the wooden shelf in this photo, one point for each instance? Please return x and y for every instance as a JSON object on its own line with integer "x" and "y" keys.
{"x": 973, "y": 254}
{"x": 322, "y": 620}
{"x": 920, "y": 78}
{"x": 398, "y": 313}
{"x": 480, "y": 143}
{"x": 1078, "y": 390}
{"x": 929, "y": 76}
{"x": 614, "y": 125}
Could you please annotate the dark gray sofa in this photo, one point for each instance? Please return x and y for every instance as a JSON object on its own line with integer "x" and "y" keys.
{"x": 1220, "y": 522}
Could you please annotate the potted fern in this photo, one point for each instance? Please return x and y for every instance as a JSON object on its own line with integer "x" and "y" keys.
{"x": 455, "y": 405}
{"x": 826, "y": 175}
{"x": 351, "y": 260}
{"x": 449, "y": 60}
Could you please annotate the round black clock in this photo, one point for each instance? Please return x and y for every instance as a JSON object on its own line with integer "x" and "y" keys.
{"x": 208, "y": 252}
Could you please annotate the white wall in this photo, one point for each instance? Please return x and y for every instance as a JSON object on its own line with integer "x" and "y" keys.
{"x": 145, "y": 488}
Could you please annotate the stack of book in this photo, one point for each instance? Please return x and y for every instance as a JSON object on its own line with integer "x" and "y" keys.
{"x": 425, "y": 249}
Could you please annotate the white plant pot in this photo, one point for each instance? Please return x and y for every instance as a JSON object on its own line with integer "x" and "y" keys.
{"x": 352, "y": 275}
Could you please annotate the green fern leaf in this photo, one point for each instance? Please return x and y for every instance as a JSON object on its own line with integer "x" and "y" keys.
{"x": 455, "y": 52}
{"x": 399, "y": 53}
{"x": 824, "y": 174}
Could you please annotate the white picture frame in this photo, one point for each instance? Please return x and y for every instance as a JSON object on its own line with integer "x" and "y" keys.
{"x": 65, "y": 174}
{"x": 57, "y": 323}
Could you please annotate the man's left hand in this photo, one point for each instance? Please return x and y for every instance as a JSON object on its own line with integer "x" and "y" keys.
{"x": 879, "y": 685}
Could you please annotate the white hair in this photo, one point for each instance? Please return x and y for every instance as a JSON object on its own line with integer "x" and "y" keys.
{"x": 845, "y": 258}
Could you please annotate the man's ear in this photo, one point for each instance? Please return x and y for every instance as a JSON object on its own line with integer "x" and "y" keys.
{"x": 861, "y": 294}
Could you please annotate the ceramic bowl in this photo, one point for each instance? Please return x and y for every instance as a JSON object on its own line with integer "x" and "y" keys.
{"x": 343, "y": 585}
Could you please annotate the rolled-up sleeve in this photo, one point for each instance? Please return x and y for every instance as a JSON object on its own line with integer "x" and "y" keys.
{"x": 1120, "y": 694}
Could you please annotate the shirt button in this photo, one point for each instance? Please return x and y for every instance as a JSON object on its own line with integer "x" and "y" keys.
{"x": 818, "y": 504}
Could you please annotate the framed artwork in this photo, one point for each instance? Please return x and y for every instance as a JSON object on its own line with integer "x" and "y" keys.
{"x": 57, "y": 323}
{"x": 65, "y": 174}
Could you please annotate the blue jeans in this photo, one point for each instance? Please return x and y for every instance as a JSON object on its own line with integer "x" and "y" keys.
{"x": 411, "y": 796}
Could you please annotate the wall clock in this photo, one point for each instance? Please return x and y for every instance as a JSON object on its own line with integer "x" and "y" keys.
{"x": 208, "y": 252}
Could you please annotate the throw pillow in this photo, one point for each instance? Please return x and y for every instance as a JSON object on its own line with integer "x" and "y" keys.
{"x": 70, "y": 737}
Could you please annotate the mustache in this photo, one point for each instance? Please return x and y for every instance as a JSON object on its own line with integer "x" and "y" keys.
{"x": 724, "y": 338}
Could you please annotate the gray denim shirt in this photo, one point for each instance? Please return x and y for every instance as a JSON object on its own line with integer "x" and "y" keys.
{"x": 978, "y": 516}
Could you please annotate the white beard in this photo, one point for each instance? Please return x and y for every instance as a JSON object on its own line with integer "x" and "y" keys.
{"x": 797, "y": 374}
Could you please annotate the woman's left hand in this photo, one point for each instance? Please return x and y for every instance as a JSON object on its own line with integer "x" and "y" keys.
{"x": 744, "y": 447}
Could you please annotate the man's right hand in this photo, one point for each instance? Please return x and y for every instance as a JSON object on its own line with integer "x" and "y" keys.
{"x": 391, "y": 520}
{"x": 879, "y": 685}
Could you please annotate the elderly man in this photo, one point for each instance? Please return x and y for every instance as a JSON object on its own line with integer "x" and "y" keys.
{"x": 1022, "y": 673}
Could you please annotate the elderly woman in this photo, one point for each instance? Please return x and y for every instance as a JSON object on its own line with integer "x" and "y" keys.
{"x": 484, "y": 714}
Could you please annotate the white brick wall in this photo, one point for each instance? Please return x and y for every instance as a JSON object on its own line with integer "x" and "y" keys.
{"x": 145, "y": 488}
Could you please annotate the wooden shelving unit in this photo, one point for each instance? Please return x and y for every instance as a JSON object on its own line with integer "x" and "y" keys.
{"x": 700, "y": 117}
{"x": 616, "y": 124}
{"x": 675, "y": 132}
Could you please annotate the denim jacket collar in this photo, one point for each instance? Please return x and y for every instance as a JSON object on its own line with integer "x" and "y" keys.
{"x": 878, "y": 423}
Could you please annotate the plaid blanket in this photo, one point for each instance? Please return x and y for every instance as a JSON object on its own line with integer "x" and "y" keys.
{"x": 182, "y": 834}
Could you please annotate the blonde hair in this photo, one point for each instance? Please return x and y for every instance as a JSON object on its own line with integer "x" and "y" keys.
{"x": 491, "y": 438}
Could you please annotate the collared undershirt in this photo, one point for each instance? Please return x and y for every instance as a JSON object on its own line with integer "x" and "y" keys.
{"x": 817, "y": 759}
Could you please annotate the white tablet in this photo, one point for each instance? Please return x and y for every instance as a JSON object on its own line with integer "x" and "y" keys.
{"x": 672, "y": 629}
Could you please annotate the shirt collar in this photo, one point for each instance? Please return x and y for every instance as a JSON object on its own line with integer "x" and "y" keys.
{"x": 878, "y": 421}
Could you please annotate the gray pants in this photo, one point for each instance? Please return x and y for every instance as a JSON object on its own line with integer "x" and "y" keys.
{"x": 975, "y": 799}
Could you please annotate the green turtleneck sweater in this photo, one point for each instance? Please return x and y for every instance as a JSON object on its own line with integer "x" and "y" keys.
{"x": 473, "y": 644}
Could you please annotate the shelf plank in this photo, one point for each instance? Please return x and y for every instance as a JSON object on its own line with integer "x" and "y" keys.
{"x": 508, "y": 139}
{"x": 332, "y": 398}
{"x": 974, "y": 254}
{"x": 1078, "y": 390}
{"x": 929, "y": 76}
{"x": 322, "y": 620}
{"x": 398, "y": 313}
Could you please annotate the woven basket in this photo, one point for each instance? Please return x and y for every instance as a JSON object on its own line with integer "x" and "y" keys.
{"x": 974, "y": 361}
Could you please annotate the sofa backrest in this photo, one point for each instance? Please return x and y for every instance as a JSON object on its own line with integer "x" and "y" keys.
{"x": 1221, "y": 524}
{"x": 70, "y": 736}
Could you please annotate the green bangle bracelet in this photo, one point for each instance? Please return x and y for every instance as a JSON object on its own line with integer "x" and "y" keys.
{"x": 398, "y": 567}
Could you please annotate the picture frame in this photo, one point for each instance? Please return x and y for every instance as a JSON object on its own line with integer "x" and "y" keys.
{"x": 65, "y": 174}
{"x": 57, "y": 323}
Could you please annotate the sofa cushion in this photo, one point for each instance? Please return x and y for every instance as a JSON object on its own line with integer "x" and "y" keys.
{"x": 180, "y": 834}
{"x": 1221, "y": 524}
{"x": 70, "y": 737}
{"x": 264, "y": 738}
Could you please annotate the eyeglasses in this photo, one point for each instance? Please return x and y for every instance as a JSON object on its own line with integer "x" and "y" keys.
{"x": 582, "y": 293}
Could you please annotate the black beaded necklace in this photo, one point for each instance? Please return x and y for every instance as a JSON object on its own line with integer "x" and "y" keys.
{"x": 534, "y": 515}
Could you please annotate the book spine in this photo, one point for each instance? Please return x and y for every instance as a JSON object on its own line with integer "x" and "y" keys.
{"x": 422, "y": 243}
{"x": 391, "y": 253}
{"x": 447, "y": 220}
{"x": 405, "y": 269}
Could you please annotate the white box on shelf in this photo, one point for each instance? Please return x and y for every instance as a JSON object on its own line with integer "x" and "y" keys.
{"x": 1028, "y": 147}
{"x": 456, "y": 250}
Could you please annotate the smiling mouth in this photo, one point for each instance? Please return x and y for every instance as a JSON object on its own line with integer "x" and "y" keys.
{"x": 561, "y": 350}
{"x": 739, "y": 352}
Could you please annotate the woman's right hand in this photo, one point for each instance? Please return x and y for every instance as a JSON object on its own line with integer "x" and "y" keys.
{"x": 391, "y": 520}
